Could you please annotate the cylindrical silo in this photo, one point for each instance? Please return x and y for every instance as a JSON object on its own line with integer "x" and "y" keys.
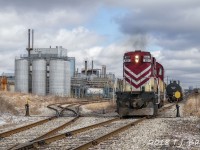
{"x": 67, "y": 79}
{"x": 72, "y": 66}
{"x": 39, "y": 77}
{"x": 21, "y": 75}
{"x": 57, "y": 77}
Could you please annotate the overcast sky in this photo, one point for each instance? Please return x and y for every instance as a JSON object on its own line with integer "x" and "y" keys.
{"x": 104, "y": 30}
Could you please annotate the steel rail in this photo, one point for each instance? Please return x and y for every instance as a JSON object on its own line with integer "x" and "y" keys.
{"x": 69, "y": 109}
{"x": 115, "y": 132}
{"x": 109, "y": 135}
{"x": 52, "y": 131}
{"x": 23, "y": 128}
{"x": 56, "y": 129}
{"x": 58, "y": 113}
{"x": 54, "y": 109}
{"x": 168, "y": 107}
{"x": 46, "y": 141}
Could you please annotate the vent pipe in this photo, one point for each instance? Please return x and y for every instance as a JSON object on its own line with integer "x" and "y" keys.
{"x": 32, "y": 38}
{"x": 92, "y": 66}
{"x": 103, "y": 71}
{"x": 77, "y": 72}
{"x": 29, "y": 40}
{"x": 86, "y": 67}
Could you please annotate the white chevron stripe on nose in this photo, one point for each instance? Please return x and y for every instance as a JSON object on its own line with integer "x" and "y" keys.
{"x": 137, "y": 82}
{"x": 140, "y": 74}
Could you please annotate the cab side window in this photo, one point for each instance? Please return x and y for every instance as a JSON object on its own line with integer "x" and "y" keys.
{"x": 160, "y": 71}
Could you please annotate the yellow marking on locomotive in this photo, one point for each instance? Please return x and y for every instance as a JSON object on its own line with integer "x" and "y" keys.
{"x": 177, "y": 94}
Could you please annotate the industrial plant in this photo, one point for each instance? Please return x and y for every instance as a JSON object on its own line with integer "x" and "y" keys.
{"x": 44, "y": 71}
{"x": 93, "y": 83}
{"x": 49, "y": 71}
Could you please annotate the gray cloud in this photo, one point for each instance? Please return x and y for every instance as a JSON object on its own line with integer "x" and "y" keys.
{"x": 175, "y": 24}
{"x": 168, "y": 25}
{"x": 181, "y": 65}
{"x": 46, "y": 5}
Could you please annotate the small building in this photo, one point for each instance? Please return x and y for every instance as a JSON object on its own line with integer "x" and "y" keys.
{"x": 7, "y": 82}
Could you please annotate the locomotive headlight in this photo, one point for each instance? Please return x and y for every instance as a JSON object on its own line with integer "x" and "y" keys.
{"x": 136, "y": 58}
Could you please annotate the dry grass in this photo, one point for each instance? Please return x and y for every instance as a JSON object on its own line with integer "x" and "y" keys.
{"x": 15, "y": 102}
{"x": 106, "y": 106}
{"x": 192, "y": 106}
{"x": 6, "y": 107}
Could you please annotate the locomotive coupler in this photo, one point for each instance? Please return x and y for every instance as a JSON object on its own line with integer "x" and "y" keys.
{"x": 177, "y": 110}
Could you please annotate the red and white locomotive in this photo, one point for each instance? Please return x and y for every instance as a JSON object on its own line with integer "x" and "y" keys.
{"x": 143, "y": 85}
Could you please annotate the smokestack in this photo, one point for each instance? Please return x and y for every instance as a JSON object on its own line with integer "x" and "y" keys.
{"x": 103, "y": 71}
{"x": 92, "y": 66}
{"x": 29, "y": 39}
{"x": 86, "y": 67}
{"x": 32, "y": 38}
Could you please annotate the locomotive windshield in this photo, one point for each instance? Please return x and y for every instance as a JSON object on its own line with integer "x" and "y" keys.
{"x": 127, "y": 59}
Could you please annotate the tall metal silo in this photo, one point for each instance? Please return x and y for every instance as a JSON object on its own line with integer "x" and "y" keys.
{"x": 72, "y": 66}
{"x": 21, "y": 75}
{"x": 67, "y": 79}
{"x": 57, "y": 77}
{"x": 39, "y": 77}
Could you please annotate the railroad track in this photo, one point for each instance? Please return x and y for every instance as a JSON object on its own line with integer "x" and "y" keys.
{"x": 13, "y": 141}
{"x": 100, "y": 139}
{"x": 26, "y": 127}
{"x": 47, "y": 141}
{"x": 9, "y": 139}
{"x": 42, "y": 141}
{"x": 71, "y": 106}
{"x": 36, "y": 133}
{"x": 95, "y": 140}
{"x": 23, "y": 128}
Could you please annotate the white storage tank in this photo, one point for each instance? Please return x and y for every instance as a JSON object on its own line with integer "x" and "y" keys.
{"x": 67, "y": 79}
{"x": 39, "y": 77}
{"x": 58, "y": 77}
{"x": 21, "y": 75}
